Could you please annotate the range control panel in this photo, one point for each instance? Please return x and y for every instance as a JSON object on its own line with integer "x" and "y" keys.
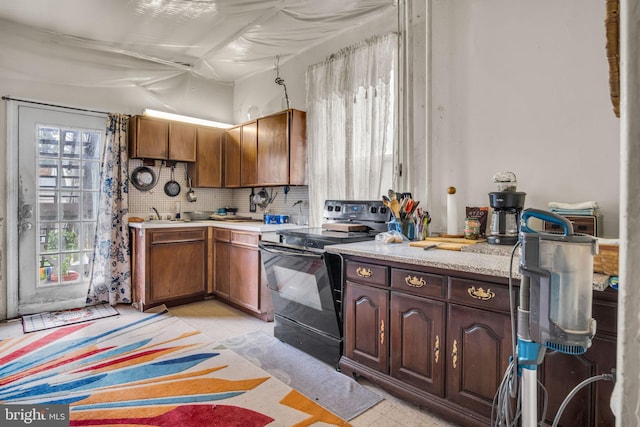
{"x": 356, "y": 211}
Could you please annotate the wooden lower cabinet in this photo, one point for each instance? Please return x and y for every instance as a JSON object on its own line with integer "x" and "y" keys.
{"x": 238, "y": 277}
{"x": 169, "y": 266}
{"x": 442, "y": 339}
{"x": 417, "y": 342}
{"x": 478, "y": 352}
{"x": 366, "y": 323}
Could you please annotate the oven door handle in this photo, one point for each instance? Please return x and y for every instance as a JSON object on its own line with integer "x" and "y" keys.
{"x": 284, "y": 250}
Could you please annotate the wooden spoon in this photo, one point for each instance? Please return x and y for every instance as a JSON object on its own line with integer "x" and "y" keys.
{"x": 395, "y": 207}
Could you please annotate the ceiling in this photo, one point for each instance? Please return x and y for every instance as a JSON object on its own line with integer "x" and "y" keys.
{"x": 221, "y": 40}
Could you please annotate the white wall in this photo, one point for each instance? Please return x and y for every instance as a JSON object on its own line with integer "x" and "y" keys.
{"x": 260, "y": 90}
{"x": 516, "y": 85}
{"x": 523, "y": 86}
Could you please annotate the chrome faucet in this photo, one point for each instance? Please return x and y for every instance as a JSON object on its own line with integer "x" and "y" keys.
{"x": 156, "y": 211}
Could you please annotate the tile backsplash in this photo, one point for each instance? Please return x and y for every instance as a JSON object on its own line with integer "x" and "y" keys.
{"x": 208, "y": 199}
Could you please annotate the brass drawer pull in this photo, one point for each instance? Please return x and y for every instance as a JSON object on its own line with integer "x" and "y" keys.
{"x": 414, "y": 281}
{"x": 436, "y": 349}
{"x": 381, "y": 332}
{"x": 480, "y": 293}
{"x": 364, "y": 272}
{"x": 454, "y": 354}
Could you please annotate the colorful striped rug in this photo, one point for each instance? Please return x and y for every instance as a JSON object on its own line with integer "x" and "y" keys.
{"x": 154, "y": 371}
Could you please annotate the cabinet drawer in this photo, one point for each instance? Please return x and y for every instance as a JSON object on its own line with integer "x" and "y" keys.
{"x": 181, "y": 235}
{"x": 367, "y": 273}
{"x": 247, "y": 239}
{"x": 485, "y": 295}
{"x": 221, "y": 234}
{"x": 418, "y": 283}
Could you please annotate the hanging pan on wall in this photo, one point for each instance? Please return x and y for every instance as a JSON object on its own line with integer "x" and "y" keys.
{"x": 172, "y": 187}
{"x": 144, "y": 178}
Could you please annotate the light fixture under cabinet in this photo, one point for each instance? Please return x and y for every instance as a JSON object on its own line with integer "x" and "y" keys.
{"x": 186, "y": 119}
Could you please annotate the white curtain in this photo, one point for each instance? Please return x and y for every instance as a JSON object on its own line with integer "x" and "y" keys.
{"x": 351, "y": 122}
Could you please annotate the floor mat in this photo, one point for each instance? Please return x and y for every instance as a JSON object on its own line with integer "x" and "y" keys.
{"x": 55, "y": 319}
{"x": 147, "y": 369}
{"x": 318, "y": 381}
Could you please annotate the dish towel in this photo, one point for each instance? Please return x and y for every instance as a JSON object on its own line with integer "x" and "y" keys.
{"x": 582, "y": 208}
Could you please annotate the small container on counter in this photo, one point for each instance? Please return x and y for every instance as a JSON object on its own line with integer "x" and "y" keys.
{"x": 472, "y": 228}
{"x": 406, "y": 226}
{"x": 276, "y": 219}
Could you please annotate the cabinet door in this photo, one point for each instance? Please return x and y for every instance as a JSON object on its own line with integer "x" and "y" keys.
{"x": 298, "y": 148}
{"x": 232, "y": 157}
{"x": 207, "y": 170}
{"x": 273, "y": 150}
{"x": 221, "y": 276}
{"x": 417, "y": 342}
{"x": 221, "y": 262}
{"x": 366, "y": 325}
{"x": 245, "y": 275}
{"x": 478, "y": 352}
{"x": 149, "y": 138}
{"x": 176, "y": 263}
{"x": 182, "y": 142}
{"x": 249, "y": 155}
{"x": 560, "y": 373}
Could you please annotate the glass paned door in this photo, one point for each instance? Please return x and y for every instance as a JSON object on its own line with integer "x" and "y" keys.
{"x": 69, "y": 171}
{"x": 59, "y": 183}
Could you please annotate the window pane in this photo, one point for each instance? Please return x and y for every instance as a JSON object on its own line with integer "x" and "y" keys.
{"x": 91, "y": 145}
{"x": 70, "y": 235}
{"x": 89, "y": 231}
{"x": 71, "y": 143}
{"x": 90, "y": 176}
{"x": 48, "y": 141}
{"x": 70, "y": 174}
{"x": 90, "y": 206}
{"x": 70, "y": 205}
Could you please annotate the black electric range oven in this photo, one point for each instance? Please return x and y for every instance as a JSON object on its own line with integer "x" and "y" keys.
{"x": 306, "y": 281}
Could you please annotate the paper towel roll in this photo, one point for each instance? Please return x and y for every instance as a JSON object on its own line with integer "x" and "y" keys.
{"x": 452, "y": 214}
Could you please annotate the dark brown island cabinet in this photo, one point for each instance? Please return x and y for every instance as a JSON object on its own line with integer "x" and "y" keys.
{"x": 442, "y": 339}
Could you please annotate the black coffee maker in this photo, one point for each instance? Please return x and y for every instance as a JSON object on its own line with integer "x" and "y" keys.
{"x": 507, "y": 204}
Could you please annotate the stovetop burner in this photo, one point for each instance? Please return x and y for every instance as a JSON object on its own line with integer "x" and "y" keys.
{"x": 371, "y": 213}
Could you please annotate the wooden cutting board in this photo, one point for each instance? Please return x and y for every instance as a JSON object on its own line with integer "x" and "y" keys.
{"x": 446, "y": 243}
{"x": 341, "y": 226}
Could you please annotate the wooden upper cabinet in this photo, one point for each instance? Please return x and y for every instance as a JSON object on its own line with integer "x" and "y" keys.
{"x": 151, "y": 138}
{"x": 249, "y": 166}
{"x": 148, "y": 138}
{"x": 207, "y": 170}
{"x": 232, "y": 138}
{"x": 273, "y": 149}
{"x": 182, "y": 142}
{"x": 282, "y": 149}
{"x": 298, "y": 148}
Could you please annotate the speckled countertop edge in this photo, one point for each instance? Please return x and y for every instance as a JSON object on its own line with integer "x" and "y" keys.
{"x": 480, "y": 260}
{"x": 253, "y": 226}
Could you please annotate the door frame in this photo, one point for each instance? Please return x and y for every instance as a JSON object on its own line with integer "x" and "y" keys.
{"x": 11, "y": 222}
{"x": 13, "y": 193}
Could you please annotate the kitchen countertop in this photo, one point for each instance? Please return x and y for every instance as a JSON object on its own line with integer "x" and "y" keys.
{"x": 480, "y": 258}
{"x": 253, "y": 226}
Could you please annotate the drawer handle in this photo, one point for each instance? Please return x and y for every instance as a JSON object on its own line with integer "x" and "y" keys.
{"x": 480, "y": 293}
{"x": 436, "y": 349}
{"x": 415, "y": 282}
{"x": 381, "y": 332}
{"x": 454, "y": 354}
{"x": 364, "y": 272}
